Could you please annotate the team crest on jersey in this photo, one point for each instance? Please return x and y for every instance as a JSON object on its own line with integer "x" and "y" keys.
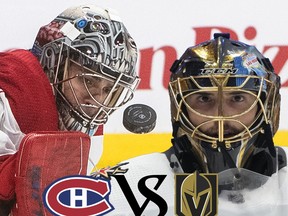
{"x": 196, "y": 194}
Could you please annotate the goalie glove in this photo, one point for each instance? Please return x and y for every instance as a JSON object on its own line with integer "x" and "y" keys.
{"x": 42, "y": 159}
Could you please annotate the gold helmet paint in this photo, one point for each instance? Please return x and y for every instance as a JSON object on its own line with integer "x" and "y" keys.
{"x": 225, "y": 101}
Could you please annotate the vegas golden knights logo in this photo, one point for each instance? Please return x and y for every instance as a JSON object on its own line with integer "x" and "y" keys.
{"x": 196, "y": 194}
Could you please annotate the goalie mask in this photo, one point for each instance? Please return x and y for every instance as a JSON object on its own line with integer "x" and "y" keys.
{"x": 90, "y": 60}
{"x": 225, "y": 105}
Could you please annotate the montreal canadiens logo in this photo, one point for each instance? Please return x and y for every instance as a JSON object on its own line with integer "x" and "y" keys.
{"x": 78, "y": 195}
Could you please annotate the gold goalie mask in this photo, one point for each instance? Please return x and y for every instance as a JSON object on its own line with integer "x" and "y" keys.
{"x": 225, "y": 106}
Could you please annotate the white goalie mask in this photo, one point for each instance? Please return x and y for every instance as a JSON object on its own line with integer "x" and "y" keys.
{"x": 90, "y": 60}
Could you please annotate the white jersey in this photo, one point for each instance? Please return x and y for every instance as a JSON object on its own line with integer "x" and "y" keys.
{"x": 95, "y": 152}
{"x": 10, "y": 134}
{"x": 270, "y": 199}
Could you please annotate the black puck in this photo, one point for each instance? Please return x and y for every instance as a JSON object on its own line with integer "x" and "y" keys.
{"x": 139, "y": 118}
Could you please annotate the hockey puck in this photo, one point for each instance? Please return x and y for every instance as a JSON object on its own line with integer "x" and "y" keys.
{"x": 139, "y": 118}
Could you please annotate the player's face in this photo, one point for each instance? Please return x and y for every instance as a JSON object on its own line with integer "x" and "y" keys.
{"x": 86, "y": 90}
{"x": 228, "y": 105}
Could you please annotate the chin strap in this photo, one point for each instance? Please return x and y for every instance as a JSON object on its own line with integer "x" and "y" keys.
{"x": 226, "y": 156}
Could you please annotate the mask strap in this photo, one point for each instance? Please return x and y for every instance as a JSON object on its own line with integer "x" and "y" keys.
{"x": 227, "y": 157}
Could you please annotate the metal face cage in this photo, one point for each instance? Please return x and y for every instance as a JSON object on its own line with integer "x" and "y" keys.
{"x": 90, "y": 91}
{"x": 260, "y": 91}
